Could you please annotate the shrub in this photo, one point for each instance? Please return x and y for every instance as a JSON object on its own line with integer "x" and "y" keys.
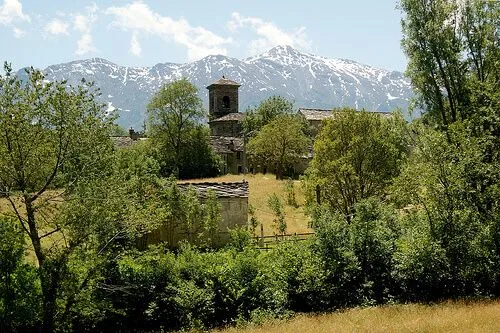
{"x": 374, "y": 231}
{"x": 421, "y": 268}
{"x": 302, "y": 271}
{"x": 19, "y": 290}
{"x": 274, "y": 202}
{"x": 342, "y": 268}
{"x": 291, "y": 199}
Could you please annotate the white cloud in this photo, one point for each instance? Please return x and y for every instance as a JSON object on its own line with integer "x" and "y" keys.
{"x": 12, "y": 11}
{"x": 18, "y": 33}
{"x": 83, "y": 23}
{"x": 57, "y": 27}
{"x": 269, "y": 34}
{"x": 135, "y": 46}
{"x": 85, "y": 45}
{"x": 138, "y": 17}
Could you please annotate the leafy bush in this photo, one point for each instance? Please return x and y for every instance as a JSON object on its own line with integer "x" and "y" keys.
{"x": 374, "y": 231}
{"x": 302, "y": 271}
{"x": 291, "y": 199}
{"x": 19, "y": 290}
{"x": 421, "y": 268}
{"x": 342, "y": 268}
{"x": 279, "y": 222}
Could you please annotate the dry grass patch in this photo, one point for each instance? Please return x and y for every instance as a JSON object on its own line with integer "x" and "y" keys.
{"x": 261, "y": 187}
{"x": 48, "y": 205}
{"x": 445, "y": 317}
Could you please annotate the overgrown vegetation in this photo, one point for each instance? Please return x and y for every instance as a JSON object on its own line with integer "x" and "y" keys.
{"x": 403, "y": 212}
{"x": 180, "y": 142}
{"x": 279, "y": 145}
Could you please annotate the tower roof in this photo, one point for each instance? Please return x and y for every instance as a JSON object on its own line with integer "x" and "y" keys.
{"x": 233, "y": 116}
{"x": 224, "y": 82}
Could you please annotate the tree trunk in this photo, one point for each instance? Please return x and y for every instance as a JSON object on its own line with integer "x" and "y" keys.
{"x": 48, "y": 275}
{"x": 279, "y": 172}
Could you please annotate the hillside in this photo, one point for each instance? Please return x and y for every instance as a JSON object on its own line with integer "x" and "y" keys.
{"x": 310, "y": 80}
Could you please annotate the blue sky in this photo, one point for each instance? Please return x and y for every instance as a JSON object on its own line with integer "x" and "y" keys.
{"x": 143, "y": 33}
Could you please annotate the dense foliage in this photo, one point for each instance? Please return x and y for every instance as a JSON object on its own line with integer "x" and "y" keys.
{"x": 406, "y": 212}
{"x": 356, "y": 155}
{"x": 264, "y": 113}
{"x": 279, "y": 145}
{"x": 52, "y": 136}
{"x": 181, "y": 143}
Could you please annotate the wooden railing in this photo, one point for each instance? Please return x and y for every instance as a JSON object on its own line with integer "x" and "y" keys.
{"x": 266, "y": 242}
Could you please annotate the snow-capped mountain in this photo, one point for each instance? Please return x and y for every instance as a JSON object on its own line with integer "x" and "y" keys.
{"x": 309, "y": 80}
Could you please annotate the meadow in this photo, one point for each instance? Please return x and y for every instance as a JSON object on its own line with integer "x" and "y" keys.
{"x": 461, "y": 316}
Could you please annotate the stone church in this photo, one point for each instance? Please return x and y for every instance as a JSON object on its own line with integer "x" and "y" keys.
{"x": 225, "y": 123}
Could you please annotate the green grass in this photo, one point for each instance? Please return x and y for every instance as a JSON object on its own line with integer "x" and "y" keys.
{"x": 445, "y": 317}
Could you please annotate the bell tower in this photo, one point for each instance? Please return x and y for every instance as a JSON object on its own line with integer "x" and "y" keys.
{"x": 222, "y": 98}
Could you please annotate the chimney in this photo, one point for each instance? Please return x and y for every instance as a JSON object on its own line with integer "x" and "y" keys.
{"x": 133, "y": 134}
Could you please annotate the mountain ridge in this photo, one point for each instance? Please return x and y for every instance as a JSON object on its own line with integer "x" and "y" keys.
{"x": 309, "y": 80}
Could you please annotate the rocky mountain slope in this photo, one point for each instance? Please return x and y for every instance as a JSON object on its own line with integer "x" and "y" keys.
{"x": 310, "y": 80}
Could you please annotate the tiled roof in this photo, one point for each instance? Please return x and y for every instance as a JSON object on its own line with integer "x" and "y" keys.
{"x": 315, "y": 114}
{"x": 226, "y": 144}
{"x": 224, "y": 82}
{"x": 125, "y": 141}
{"x": 234, "y": 116}
{"x": 320, "y": 114}
{"x": 222, "y": 190}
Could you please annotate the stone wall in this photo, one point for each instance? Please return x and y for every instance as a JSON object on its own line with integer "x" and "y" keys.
{"x": 233, "y": 200}
{"x": 231, "y": 128}
{"x": 217, "y": 107}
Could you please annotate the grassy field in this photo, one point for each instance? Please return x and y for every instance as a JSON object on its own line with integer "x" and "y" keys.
{"x": 49, "y": 200}
{"x": 445, "y": 317}
{"x": 261, "y": 187}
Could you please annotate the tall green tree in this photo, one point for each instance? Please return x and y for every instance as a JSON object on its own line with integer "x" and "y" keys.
{"x": 355, "y": 157}
{"x": 279, "y": 145}
{"x": 174, "y": 125}
{"x": 453, "y": 52}
{"x": 453, "y": 174}
{"x": 267, "y": 111}
{"x": 53, "y": 137}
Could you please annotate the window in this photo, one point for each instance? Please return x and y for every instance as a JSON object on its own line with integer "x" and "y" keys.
{"x": 225, "y": 102}
{"x": 238, "y": 155}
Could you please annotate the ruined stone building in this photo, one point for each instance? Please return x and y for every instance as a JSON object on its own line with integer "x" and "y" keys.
{"x": 233, "y": 200}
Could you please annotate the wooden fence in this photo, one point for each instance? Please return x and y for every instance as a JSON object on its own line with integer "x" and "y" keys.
{"x": 267, "y": 242}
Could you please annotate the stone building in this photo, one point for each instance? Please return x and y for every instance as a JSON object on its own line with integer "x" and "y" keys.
{"x": 225, "y": 123}
{"x": 315, "y": 117}
{"x": 222, "y": 98}
{"x": 127, "y": 141}
{"x": 231, "y": 150}
{"x": 233, "y": 200}
{"x": 228, "y": 125}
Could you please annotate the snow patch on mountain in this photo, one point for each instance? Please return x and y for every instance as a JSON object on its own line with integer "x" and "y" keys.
{"x": 309, "y": 80}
